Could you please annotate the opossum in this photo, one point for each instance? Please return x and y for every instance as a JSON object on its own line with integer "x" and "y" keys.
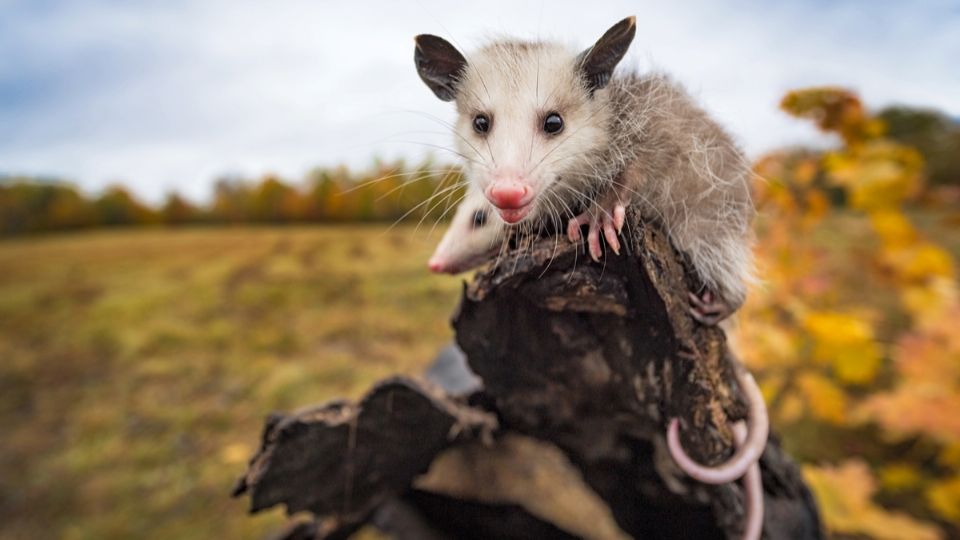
{"x": 549, "y": 135}
{"x": 475, "y": 234}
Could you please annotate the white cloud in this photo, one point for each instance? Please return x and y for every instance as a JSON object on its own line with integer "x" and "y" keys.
{"x": 168, "y": 95}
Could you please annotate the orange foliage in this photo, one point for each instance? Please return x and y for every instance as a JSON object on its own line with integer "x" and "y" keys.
{"x": 818, "y": 334}
{"x": 845, "y": 492}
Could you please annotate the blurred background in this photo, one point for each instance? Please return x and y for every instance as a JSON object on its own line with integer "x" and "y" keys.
{"x": 213, "y": 210}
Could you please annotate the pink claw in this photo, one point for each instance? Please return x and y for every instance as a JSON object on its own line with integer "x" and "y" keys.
{"x": 573, "y": 226}
{"x": 610, "y": 223}
{"x": 611, "y": 235}
{"x": 593, "y": 242}
{"x": 619, "y": 216}
{"x": 746, "y": 454}
{"x": 708, "y": 309}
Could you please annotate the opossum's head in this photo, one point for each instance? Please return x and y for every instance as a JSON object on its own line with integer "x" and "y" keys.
{"x": 474, "y": 235}
{"x": 530, "y": 115}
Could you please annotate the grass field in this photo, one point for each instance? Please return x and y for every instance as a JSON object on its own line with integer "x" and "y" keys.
{"x": 136, "y": 367}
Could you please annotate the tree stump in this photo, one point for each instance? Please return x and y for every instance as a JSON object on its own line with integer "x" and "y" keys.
{"x": 582, "y": 365}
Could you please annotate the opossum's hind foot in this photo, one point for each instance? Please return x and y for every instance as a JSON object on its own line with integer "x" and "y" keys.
{"x": 708, "y": 308}
{"x": 607, "y": 216}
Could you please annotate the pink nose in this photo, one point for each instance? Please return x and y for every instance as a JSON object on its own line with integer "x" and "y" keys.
{"x": 437, "y": 265}
{"x": 509, "y": 195}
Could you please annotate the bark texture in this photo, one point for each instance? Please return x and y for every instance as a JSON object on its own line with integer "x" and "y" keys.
{"x": 582, "y": 366}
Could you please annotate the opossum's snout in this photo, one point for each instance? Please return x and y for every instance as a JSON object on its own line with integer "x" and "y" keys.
{"x": 512, "y": 195}
{"x": 452, "y": 258}
{"x": 438, "y": 265}
{"x": 449, "y": 257}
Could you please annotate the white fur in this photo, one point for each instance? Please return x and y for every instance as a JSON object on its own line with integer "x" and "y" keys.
{"x": 465, "y": 245}
{"x": 641, "y": 135}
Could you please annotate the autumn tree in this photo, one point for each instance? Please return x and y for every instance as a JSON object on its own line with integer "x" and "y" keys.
{"x": 176, "y": 210}
{"x": 853, "y": 331}
{"x": 935, "y": 135}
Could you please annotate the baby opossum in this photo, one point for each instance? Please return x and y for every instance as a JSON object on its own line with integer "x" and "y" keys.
{"x": 474, "y": 235}
{"x": 548, "y": 134}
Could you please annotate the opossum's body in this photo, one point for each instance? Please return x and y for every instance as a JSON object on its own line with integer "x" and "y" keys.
{"x": 682, "y": 168}
{"x": 631, "y": 139}
{"x": 548, "y": 134}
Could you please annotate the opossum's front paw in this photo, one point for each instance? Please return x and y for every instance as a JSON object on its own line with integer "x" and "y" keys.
{"x": 708, "y": 308}
{"x": 606, "y": 217}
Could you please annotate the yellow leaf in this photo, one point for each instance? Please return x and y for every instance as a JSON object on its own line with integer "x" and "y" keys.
{"x": 899, "y": 477}
{"x": 790, "y": 410}
{"x": 805, "y": 172}
{"x": 832, "y": 109}
{"x": 944, "y": 498}
{"x": 893, "y": 228}
{"x": 817, "y": 206}
{"x": 926, "y": 396}
{"x": 825, "y": 399}
{"x": 846, "y": 343}
{"x": 929, "y": 302}
{"x": 950, "y": 455}
{"x": 878, "y": 175}
{"x": 845, "y": 492}
{"x": 928, "y": 260}
{"x": 766, "y": 345}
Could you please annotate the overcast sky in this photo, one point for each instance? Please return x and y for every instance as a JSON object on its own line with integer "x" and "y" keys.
{"x": 168, "y": 94}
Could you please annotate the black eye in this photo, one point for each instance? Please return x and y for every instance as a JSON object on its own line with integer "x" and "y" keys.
{"x": 479, "y": 219}
{"x": 481, "y": 124}
{"x": 552, "y": 124}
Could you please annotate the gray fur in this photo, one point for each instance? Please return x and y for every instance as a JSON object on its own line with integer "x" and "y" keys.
{"x": 641, "y": 136}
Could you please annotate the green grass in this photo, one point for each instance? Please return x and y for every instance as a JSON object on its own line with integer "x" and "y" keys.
{"x": 136, "y": 367}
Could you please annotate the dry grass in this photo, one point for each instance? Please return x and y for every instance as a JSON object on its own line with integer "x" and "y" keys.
{"x": 137, "y": 366}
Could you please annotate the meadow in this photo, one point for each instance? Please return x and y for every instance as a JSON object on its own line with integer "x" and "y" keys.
{"x": 138, "y": 365}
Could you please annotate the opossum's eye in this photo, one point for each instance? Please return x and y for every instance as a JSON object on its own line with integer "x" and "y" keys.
{"x": 479, "y": 219}
{"x": 481, "y": 123}
{"x": 552, "y": 124}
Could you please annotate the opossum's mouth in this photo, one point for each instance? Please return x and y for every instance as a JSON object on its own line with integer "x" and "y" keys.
{"x": 514, "y": 215}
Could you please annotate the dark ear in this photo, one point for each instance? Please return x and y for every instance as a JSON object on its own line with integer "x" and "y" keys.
{"x": 596, "y": 63}
{"x": 439, "y": 64}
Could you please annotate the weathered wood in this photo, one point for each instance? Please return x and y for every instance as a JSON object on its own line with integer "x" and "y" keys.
{"x": 341, "y": 460}
{"x": 596, "y": 357}
{"x": 586, "y": 361}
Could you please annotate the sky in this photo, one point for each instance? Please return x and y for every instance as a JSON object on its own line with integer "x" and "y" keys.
{"x": 169, "y": 95}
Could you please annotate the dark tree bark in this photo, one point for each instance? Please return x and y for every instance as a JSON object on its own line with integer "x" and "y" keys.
{"x": 582, "y": 366}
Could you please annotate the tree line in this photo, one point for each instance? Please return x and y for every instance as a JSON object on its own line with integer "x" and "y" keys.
{"x": 388, "y": 192}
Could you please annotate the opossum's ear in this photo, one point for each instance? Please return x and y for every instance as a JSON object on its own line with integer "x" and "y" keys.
{"x": 439, "y": 64}
{"x": 596, "y": 63}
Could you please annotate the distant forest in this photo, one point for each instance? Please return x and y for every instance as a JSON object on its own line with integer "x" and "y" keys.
{"x": 387, "y": 192}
